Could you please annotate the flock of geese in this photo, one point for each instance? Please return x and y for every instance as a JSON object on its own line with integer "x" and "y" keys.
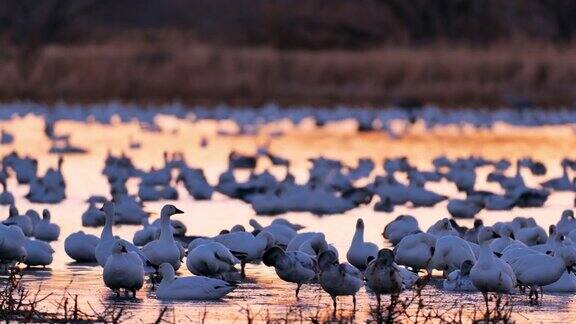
{"x": 505, "y": 257}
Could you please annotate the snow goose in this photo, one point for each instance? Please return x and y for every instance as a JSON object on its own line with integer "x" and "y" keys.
{"x": 6, "y": 198}
{"x": 34, "y": 216}
{"x": 81, "y": 246}
{"x": 282, "y": 233}
{"x": 338, "y": 279}
{"x": 383, "y": 276}
{"x": 531, "y": 235}
{"x": 147, "y": 234}
{"x": 93, "y": 217}
{"x": 360, "y": 251}
{"x": 123, "y": 270}
{"x": 316, "y": 245}
{"x": 562, "y": 183}
{"x": 104, "y": 248}
{"x": 566, "y": 223}
{"x": 295, "y": 266}
{"x": 459, "y": 280}
{"x": 38, "y": 253}
{"x": 539, "y": 269}
{"x": 165, "y": 249}
{"x": 400, "y": 227}
{"x": 210, "y": 259}
{"x": 245, "y": 246}
{"x": 450, "y": 252}
{"x": 471, "y": 234}
{"x": 22, "y": 221}
{"x": 45, "y": 230}
{"x": 489, "y": 273}
{"x": 12, "y": 241}
{"x": 190, "y": 288}
{"x": 415, "y": 250}
{"x": 441, "y": 228}
{"x": 506, "y": 238}
{"x": 297, "y": 240}
{"x": 464, "y": 208}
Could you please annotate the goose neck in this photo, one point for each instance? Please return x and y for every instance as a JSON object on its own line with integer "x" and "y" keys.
{"x": 165, "y": 228}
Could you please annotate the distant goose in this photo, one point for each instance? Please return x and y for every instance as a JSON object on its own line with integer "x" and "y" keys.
{"x": 93, "y": 217}
{"x": 12, "y": 241}
{"x": 338, "y": 279}
{"x": 45, "y": 230}
{"x": 464, "y": 208}
{"x": 190, "y": 288}
{"x": 165, "y": 249}
{"x": 123, "y": 270}
{"x": 360, "y": 251}
{"x": 81, "y": 246}
{"x": 441, "y": 228}
{"x": 6, "y": 198}
{"x": 562, "y": 183}
{"x": 147, "y": 234}
{"x": 22, "y": 221}
{"x": 295, "y": 266}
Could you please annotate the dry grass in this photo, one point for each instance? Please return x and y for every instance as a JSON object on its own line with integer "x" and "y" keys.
{"x": 160, "y": 71}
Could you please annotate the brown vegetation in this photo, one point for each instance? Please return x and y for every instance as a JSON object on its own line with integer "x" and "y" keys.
{"x": 309, "y": 52}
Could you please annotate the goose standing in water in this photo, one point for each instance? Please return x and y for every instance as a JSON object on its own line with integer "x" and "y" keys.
{"x": 38, "y": 253}
{"x": 165, "y": 249}
{"x": 12, "y": 241}
{"x": 123, "y": 270}
{"x": 45, "y": 230}
{"x": 360, "y": 251}
{"x": 295, "y": 266}
{"x": 22, "y": 221}
{"x": 489, "y": 273}
{"x": 400, "y": 227}
{"x": 104, "y": 248}
{"x": 383, "y": 276}
{"x": 245, "y": 246}
{"x": 190, "y": 288}
{"x": 338, "y": 279}
{"x": 415, "y": 250}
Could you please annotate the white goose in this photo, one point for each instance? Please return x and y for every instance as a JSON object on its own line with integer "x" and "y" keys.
{"x": 441, "y": 228}
{"x": 450, "y": 252}
{"x": 360, "y": 251}
{"x": 338, "y": 279}
{"x": 93, "y": 217}
{"x": 415, "y": 250}
{"x": 22, "y": 221}
{"x": 104, "y": 248}
{"x": 400, "y": 227}
{"x": 12, "y": 241}
{"x": 295, "y": 266}
{"x": 190, "y": 288}
{"x": 123, "y": 270}
{"x": 165, "y": 249}
{"x": 245, "y": 246}
{"x": 459, "y": 280}
{"x": 81, "y": 246}
{"x": 38, "y": 253}
{"x": 45, "y": 230}
{"x": 489, "y": 273}
{"x": 147, "y": 234}
{"x": 6, "y": 198}
{"x": 210, "y": 259}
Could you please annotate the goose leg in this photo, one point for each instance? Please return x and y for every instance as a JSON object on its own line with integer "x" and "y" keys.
{"x": 334, "y": 304}
{"x": 485, "y": 295}
{"x": 297, "y": 290}
{"x": 354, "y": 302}
{"x": 133, "y": 293}
{"x": 243, "y": 269}
{"x": 378, "y": 301}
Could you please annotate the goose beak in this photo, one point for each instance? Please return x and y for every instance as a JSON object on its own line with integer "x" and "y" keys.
{"x": 124, "y": 249}
{"x": 496, "y": 235}
{"x": 178, "y": 211}
{"x": 570, "y": 269}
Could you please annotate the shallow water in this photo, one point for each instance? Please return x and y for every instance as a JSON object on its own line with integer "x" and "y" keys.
{"x": 264, "y": 292}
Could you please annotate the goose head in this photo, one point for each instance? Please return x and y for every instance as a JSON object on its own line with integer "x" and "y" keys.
{"x": 169, "y": 210}
{"x": 486, "y": 234}
{"x": 568, "y": 255}
{"x": 359, "y": 224}
{"x": 13, "y": 212}
{"x": 166, "y": 271}
{"x": 385, "y": 257}
{"x": 269, "y": 239}
{"x": 119, "y": 248}
{"x": 327, "y": 259}
{"x": 507, "y": 231}
{"x": 254, "y": 223}
{"x": 272, "y": 256}
{"x": 109, "y": 209}
{"x": 46, "y": 215}
{"x": 567, "y": 214}
{"x": 466, "y": 267}
{"x": 237, "y": 228}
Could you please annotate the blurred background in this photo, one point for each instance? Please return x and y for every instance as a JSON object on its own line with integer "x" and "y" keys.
{"x": 452, "y": 53}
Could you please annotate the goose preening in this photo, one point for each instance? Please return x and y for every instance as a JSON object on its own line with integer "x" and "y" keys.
{"x": 209, "y": 258}
{"x": 294, "y": 266}
{"x": 400, "y": 227}
{"x": 415, "y": 250}
{"x": 338, "y": 279}
{"x": 190, "y": 288}
{"x": 245, "y": 246}
{"x": 22, "y": 221}
{"x": 123, "y": 270}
